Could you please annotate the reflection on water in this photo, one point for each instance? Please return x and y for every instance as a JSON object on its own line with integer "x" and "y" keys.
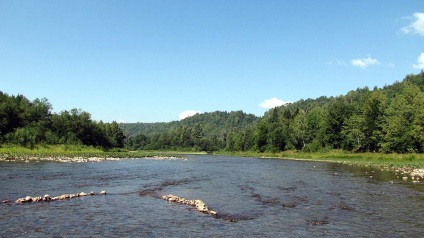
{"x": 271, "y": 198}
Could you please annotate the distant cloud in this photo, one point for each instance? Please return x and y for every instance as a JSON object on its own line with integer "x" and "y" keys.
{"x": 364, "y": 63}
{"x": 420, "y": 61}
{"x": 188, "y": 113}
{"x": 271, "y": 103}
{"x": 416, "y": 26}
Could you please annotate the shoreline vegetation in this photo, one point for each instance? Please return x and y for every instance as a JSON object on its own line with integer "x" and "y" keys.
{"x": 411, "y": 164}
{"x": 70, "y": 153}
{"x": 406, "y": 165}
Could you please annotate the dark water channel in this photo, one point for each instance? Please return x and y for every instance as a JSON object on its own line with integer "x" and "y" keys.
{"x": 253, "y": 197}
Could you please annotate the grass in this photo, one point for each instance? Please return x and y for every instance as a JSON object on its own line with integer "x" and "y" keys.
{"x": 390, "y": 161}
{"x": 393, "y": 161}
{"x": 13, "y": 152}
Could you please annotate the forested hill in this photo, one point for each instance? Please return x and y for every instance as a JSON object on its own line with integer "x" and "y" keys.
{"x": 205, "y": 131}
{"x": 388, "y": 119}
{"x": 213, "y": 123}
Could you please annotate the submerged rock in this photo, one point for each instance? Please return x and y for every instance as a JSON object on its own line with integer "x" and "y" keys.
{"x": 198, "y": 204}
{"x": 47, "y": 198}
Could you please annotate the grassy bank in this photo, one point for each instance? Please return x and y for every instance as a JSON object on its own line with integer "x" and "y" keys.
{"x": 11, "y": 152}
{"x": 394, "y": 161}
{"x": 390, "y": 161}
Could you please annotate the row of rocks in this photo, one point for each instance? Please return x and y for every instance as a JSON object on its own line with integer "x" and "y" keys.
{"x": 82, "y": 159}
{"x": 59, "y": 159}
{"x": 198, "y": 204}
{"x": 48, "y": 198}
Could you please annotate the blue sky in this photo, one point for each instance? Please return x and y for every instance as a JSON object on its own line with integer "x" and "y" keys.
{"x": 149, "y": 61}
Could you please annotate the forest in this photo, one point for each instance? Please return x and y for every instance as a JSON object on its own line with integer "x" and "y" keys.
{"x": 385, "y": 120}
{"x": 30, "y": 123}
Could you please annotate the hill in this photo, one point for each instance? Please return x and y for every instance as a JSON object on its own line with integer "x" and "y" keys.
{"x": 388, "y": 119}
{"x": 206, "y": 131}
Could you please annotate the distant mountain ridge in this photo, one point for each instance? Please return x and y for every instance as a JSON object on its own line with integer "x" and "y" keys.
{"x": 388, "y": 119}
{"x": 213, "y": 123}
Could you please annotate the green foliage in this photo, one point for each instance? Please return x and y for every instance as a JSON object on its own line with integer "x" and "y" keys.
{"x": 390, "y": 119}
{"x": 201, "y": 132}
{"x": 27, "y": 123}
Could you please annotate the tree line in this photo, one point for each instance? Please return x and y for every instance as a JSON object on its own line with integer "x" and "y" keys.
{"x": 202, "y": 132}
{"x": 388, "y": 119}
{"x": 28, "y": 123}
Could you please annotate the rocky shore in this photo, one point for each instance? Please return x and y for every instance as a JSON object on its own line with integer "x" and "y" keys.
{"x": 62, "y": 159}
{"x": 48, "y": 198}
{"x": 198, "y": 204}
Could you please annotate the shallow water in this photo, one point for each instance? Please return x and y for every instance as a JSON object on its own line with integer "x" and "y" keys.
{"x": 253, "y": 197}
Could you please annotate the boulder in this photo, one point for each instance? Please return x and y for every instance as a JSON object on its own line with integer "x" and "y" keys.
{"x": 82, "y": 194}
{"x": 47, "y": 198}
{"x": 20, "y": 200}
{"x": 63, "y": 197}
{"x": 37, "y": 199}
{"x": 102, "y": 193}
{"x": 213, "y": 212}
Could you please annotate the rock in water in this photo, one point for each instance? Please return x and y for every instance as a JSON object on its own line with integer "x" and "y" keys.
{"x": 47, "y": 198}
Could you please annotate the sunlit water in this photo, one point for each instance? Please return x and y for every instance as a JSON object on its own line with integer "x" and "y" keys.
{"x": 253, "y": 197}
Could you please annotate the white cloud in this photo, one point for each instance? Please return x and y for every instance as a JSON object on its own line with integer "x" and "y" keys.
{"x": 271, "y": 103}
{"x": 417, "y": 25}
{"x": 420, "y": 61}
{"x": 364, "y": 63}
{"x": 188, "y": 113}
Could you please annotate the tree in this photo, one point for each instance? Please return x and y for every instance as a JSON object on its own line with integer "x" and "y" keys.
{"x": 116, "y": 135}
{"x": 338, "y": 112}
{"x": 299, "y": 129}
{"x": 353, "y": 133}
{"x": 403, "y": 121}
{"x": 373, "y": 113}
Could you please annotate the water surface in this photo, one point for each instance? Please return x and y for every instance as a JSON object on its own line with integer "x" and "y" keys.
{"x": 253, "y": 197}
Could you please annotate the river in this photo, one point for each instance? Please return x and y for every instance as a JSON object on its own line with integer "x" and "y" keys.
{"x": 253, "y": 197}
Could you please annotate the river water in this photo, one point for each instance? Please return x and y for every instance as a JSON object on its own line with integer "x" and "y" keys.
{"x": 253, "y": 197}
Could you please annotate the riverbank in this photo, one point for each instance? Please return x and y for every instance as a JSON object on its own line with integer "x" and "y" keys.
{"x": 405, "y": 164}
{"x": 66, "y": 153}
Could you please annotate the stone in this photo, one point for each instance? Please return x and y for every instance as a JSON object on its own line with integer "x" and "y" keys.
{"x": 37, "y": 199}
{"x": 28, "y": 199}
{"x": 20, "y": 200}
{"x": 64, "y": 196}
{"x": 47, "y": 198}
{"x": 102, "y": 193}
{"x": 91, "y": 193}
{"x": 213, "y": 212}
{"x": 82, "y": 194}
